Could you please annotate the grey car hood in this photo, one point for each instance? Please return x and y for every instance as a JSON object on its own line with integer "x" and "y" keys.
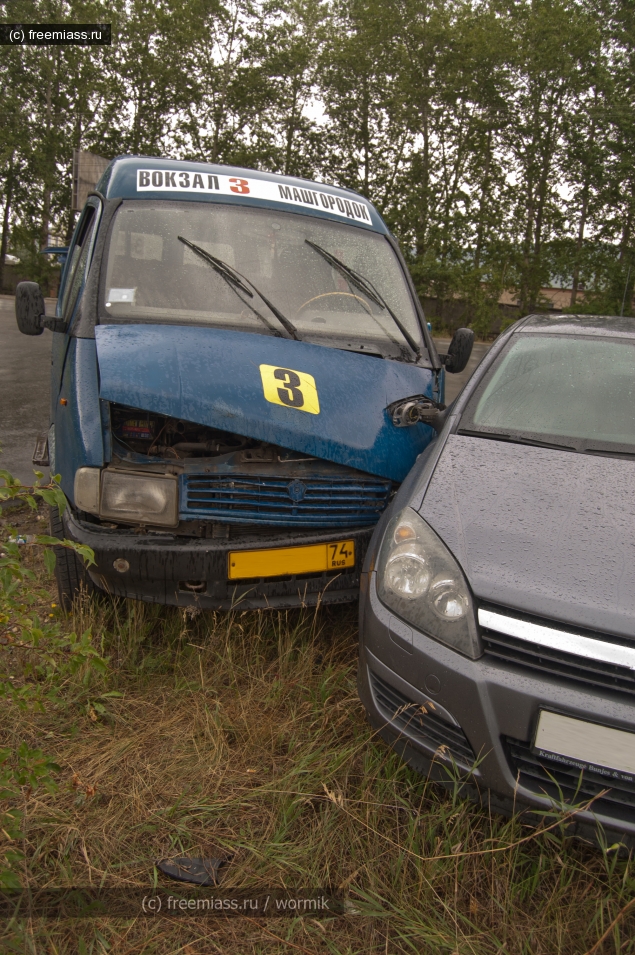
{"x": 538, "y": 530}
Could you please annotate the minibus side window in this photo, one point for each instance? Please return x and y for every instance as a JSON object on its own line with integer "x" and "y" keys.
{"x": 77, "y": 265}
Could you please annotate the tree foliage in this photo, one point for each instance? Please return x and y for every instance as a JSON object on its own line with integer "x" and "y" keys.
{"x": 496, "y": 136}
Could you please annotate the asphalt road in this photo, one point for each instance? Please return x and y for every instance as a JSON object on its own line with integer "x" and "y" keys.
{"x": 25, "y": 364}
{"x": 25, "y": 388}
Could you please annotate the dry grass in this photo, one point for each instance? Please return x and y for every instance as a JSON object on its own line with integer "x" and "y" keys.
{"x": 242, "y": 734}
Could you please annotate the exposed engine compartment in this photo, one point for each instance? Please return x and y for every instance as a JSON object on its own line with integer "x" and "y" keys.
{"x": 227, "y": 480}
{"x": 160, "y": 436}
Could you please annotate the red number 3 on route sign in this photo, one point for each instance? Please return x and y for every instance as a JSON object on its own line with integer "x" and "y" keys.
{"x": 241, "y": 186}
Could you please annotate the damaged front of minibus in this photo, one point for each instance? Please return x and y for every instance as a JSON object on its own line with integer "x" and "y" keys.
{"x": 238, "y": 360}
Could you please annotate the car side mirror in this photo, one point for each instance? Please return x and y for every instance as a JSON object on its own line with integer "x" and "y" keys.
{"x": 30, "y": 311}
{"x": 459, "y": 351}
{"x": 29, "y": 308}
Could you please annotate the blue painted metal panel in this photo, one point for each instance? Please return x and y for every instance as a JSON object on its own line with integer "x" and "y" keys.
{"x": 59, "y": 346}
{"x": 78, "y": 435}
{"x": 212, "y": 377}
{"x": 120, "y": 180}
{"x": 441, "y": 384}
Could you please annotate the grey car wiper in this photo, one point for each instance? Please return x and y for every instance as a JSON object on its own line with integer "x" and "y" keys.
{"x": 589, "y": 447}
{"x": 366, "y": 286}
{"x": 517, "y": 439}
{"x": 237, "y": 281}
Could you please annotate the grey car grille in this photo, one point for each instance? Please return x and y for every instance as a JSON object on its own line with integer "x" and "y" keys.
{"x": 570, "y": 667}
{"x": 563, "y": 784}
{"x": 427, "y": 728}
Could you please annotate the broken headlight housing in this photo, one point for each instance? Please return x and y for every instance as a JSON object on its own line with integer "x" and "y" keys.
{"x": 419, "y": 579}
{"x": 128, "y": 496}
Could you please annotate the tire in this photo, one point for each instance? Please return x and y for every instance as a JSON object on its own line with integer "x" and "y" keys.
{"x": 70, "y": 572}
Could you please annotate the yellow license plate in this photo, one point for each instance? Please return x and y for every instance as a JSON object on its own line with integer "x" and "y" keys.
{"x": 282, "y": 561}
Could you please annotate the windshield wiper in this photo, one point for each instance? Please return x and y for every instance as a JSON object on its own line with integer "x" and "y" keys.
{"x": 589, "y": 447}
{"x": 582, "y": 446}
{"x": 366, "y": 286}
{"x": 517, "y": 439}
{"x": 237, "y": 281}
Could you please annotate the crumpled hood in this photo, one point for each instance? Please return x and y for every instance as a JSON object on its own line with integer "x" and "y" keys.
{"x": 213, "y": 377}
{"x": 544, "y": 531}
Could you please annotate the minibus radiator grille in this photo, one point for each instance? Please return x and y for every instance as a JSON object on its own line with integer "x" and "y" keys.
{"x": 247, "y": 499}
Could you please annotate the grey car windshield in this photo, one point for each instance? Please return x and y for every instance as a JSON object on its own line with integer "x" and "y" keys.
{"x": 154, "y": 276}
{"x": 577, "y": 392}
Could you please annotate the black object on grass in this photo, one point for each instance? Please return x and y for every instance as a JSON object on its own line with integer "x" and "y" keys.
{"x": 188, "y": 869}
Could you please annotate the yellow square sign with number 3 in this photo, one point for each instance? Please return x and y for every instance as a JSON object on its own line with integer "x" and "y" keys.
{"x": 289, "y": 388}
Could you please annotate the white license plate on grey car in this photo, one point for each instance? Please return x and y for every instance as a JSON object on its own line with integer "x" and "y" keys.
{"x": 582, "y": 745}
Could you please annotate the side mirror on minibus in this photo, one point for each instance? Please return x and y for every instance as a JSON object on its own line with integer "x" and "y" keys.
{"x": 459, "y": 351}
{"x": 29, "y": 308}
{"x": 30, "y": 311}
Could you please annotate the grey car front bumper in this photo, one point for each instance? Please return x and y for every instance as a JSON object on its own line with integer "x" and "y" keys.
{"x": 479, "y": 719}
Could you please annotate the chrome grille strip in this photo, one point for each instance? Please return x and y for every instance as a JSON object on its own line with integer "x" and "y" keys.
{"x": 572, "y": 643}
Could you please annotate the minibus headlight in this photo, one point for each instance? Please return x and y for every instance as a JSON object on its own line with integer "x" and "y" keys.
{"x": 146, "y": 498}
{"x": 419, "y": 579}
{"x": 128, "y": 496}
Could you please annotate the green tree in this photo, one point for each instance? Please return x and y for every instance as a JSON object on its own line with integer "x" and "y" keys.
{"x": 366, "y": 136}
{"x": 151, "y": 78}
{"x": 283, "y": 51}
{"x": 15, "y": 139}
{"x": 614, "y": 221}
{"x": 55, "y": 93}
{"x": 226, "y": 91}
{"x": 555, "y": 41}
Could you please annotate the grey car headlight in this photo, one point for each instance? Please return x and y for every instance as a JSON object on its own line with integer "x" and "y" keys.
{"x": 128, "y": 496}
{"x": 419, "y": 579}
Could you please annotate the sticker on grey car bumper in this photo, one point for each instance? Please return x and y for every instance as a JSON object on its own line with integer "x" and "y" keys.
{"x": 602, "y": 749}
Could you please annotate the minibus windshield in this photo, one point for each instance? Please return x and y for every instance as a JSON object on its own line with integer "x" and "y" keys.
{"x": 273, "y": 277}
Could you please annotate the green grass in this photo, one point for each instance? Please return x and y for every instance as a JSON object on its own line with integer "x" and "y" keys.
{"x": 242, "y": 734}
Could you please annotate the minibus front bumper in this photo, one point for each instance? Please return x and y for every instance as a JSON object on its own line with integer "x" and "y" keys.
{"x": 169, "y": 568}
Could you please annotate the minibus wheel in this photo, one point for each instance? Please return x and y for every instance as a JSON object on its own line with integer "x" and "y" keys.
{"x": 70, "y": 572}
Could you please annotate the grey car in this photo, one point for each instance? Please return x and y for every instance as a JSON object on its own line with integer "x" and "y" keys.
{"x": 498, "y": 593}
